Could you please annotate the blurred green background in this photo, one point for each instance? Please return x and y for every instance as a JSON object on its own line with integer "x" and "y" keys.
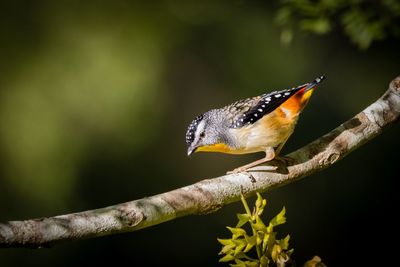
{"x": 95, "y": 98}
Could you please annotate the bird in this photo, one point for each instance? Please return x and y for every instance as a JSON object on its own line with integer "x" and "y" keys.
{"x": 257, "y": 124}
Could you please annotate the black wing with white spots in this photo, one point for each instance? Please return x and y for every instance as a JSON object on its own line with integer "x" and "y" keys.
{"x": 260, "y": 106}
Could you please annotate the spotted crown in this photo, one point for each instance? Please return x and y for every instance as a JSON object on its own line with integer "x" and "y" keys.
{"x": 192, "y": 129}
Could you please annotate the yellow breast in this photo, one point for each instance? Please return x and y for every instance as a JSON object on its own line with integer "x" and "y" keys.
{"x": 220, "y": 147}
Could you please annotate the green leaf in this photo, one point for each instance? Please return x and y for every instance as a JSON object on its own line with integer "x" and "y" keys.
{"x": 237, "y": 232}
{"x": 276, "y": 251}
{"x": 361, "y": 29}
{"x": 284, "y": 243}
{"x": 317, "y": 25}
{"x": 259, "y": 225}
{"x": 259, "y": 238}
{"x": 227, "y": 258}
{"x": 314, "y": 262}
{"x": 240, "y": 255}
{"x": 241, "y": 244}
{"x": 290, "y": 251}
{"x": 265, "y": 242}
{"x": 264, "y": 261}
{"x": 282, "y": 259}
{"x": 228, "y": 249}
{"x": 251, "y": 242}
{"x": 225, "y": 241}
{"x": 248, "y": 247}
{"x": 259, "y": 201}
{"x": 270, "y": 228}
{"x": 253, "y": 263}
{"x": 246, "y": 206}
{"x": 243, "y": 219}
{"x": 260, "y": 210}
{"x": 260, "y": 205}
{"x": 271, "y": 242}
{"x": 238, "y": 263}
{"x": 268, "y": 241}
{"x": 249, "y": 263}
{"x": 279, "y": 219}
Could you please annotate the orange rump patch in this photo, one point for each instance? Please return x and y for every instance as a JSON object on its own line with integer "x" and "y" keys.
{"x": 298, "y": 101}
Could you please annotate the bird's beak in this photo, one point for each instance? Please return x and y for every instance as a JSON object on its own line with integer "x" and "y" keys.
{"x": 191, "y": 150}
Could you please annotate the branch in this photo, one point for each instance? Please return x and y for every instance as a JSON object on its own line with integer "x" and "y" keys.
{"x": 208, "y": 195}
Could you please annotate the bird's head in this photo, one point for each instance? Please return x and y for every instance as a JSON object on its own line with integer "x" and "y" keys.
{"x": 206, "y": 133}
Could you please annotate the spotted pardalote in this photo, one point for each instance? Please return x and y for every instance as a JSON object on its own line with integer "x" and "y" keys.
{"x": 261, "y": 123}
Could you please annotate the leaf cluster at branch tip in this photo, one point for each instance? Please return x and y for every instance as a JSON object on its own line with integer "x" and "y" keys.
{"x": 261, "y": 248}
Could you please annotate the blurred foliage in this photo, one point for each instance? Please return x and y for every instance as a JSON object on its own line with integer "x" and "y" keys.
{"x": 83, "y": 88}
{"x": 270, "y": 250}
{"x": 363, "y": 21}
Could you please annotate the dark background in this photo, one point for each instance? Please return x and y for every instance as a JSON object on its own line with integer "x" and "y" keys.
{"x": 95, "y": 98}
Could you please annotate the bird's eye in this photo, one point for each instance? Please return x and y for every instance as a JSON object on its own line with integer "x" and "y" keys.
{"x": 202, "y": 134}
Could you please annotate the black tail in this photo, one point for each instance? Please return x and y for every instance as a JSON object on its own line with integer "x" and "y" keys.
{"x": 315, "y": 82}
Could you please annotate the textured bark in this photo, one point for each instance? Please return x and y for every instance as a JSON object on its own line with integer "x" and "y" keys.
{"x": 208, "y": 195}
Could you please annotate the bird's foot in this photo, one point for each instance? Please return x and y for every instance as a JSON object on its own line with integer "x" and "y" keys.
{"x": 244, "y": 170}
{"x": 237, "y": 170}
